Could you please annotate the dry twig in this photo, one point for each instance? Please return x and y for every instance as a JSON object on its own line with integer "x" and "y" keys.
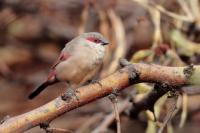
{"x": 58, "y": 130}
{"x": 113, "y": 99}
{"x": 170, "y": 115}
{"x": 110, "y": 118}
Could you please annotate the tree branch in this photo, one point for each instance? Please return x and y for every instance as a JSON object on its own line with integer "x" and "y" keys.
{"x": 174, "y": 76}
{"x": 148, "y": 101}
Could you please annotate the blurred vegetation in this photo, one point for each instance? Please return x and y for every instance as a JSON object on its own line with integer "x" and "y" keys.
{"x": 32, "y": 33}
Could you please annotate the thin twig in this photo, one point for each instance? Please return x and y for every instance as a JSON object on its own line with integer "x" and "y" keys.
{"x": 186, "y": 8}
{"x": 58, "y": 130}
{"x": 113, "y": 99}
{"x": 184, "y": 110}
{"x": 171, "y": 14}
{"x": 110, "y": 118}
{"x": 169, "y": 115}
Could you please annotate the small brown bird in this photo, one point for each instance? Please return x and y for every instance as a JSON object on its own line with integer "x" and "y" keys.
{"x": 78, "y": 62}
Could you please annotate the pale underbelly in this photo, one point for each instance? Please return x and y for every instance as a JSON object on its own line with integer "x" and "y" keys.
{"x": 75, "y": 74}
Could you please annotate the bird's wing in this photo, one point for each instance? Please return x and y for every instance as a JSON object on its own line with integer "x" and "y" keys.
{"x": 52, "y": 75}
{"x": 63, "y": 56}
{"x": 65, "y": 53}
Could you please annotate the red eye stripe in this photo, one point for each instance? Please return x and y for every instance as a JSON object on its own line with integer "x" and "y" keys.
{"x": 92, "y": 39}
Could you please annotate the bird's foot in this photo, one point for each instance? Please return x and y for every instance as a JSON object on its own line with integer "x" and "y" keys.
{"x": 70, "y": 94}
{"x": 95, "y": 81}
{"x": 113, "y": 95}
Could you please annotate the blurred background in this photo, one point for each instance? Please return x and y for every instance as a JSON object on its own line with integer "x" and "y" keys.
{"x": 33, "y": 32}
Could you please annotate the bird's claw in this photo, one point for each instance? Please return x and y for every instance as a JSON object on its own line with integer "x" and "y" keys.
{"x": 113, "y": 95}
{"x": 133, "y": 74}
{"x": 70, "y": 94}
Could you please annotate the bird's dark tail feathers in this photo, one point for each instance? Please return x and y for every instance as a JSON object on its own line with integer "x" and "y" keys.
{"x": 39, "y": 89}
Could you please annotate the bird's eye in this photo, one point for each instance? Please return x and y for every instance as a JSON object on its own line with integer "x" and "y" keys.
{"x": 97, "y": 41}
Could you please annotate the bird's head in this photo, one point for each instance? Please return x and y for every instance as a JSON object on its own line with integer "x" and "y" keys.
{"x": 95, "y": 38}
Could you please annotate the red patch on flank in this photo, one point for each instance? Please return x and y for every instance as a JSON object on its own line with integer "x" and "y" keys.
{"x": 51, "y": 75}
{"x": 62, "y": 57}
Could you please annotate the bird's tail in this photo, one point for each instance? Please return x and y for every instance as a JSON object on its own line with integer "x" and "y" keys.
{"x": 39, "y": 89}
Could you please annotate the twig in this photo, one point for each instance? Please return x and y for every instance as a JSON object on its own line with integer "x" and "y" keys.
{"x": 58, "y": 130}
{"x": 169, "y": 116}
{"x": 171, "y": 14}
{"x": 160, "y": 8}
{"x": 186, "y": 8}
{"x": 113, "y": 99}
{"x": 117, "y": 117}
{"x": 184, "y": 110}
{"x": 110, "y": 118}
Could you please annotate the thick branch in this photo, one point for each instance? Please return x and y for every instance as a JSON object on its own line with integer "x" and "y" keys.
{"x": 149, "y": 101}
{"x": 175, "y": 76}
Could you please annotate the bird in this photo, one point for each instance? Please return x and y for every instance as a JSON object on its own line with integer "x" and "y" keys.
{"x": 79, "y": 61}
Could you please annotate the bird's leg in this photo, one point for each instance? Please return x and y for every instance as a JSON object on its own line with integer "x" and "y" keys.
{"x": 70, "y": 94}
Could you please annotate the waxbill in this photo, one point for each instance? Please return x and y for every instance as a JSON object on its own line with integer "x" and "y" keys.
{"x": 78, "y": 62}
